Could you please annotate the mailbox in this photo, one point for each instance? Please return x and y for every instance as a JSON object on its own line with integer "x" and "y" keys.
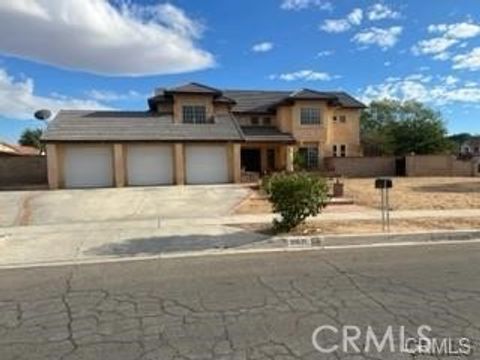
{"x": 383, "y": 183}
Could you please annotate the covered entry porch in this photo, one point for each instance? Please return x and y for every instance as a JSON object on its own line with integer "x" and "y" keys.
{"x": 266, "y": 150}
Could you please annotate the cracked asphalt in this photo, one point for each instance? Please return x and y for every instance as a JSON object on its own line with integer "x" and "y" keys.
{"x": 258, "y": 306}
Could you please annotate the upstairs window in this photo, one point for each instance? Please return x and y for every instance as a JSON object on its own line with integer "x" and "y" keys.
{"x": 267, "y": 121}
{"x": 310, "y": 116}
{"x": 194, "y": 114}
{"x": 254, "y": 120}
{"x": 340, "y": 118}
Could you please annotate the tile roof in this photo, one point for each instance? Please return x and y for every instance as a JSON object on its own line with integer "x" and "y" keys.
{"x": 255, "y": 101}
{"x": 194, "y": 88}
{"x": 136, "y": 126}
{"x": 266, "y": 134}
{"x": 19, "y": 150}
{"x": 265, "y": 101}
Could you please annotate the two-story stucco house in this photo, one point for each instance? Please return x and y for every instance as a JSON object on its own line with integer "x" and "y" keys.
{"x": 195, "y": 134}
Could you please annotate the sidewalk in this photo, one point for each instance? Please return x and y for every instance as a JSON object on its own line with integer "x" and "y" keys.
{"x": 78, "y": 242}
{"x": 346, "y": 216}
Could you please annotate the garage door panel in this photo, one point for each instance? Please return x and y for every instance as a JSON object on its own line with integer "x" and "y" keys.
{"x": 206, "y": 164}
{"x": 88, "y": 166}
{"x": 149, "y": 165}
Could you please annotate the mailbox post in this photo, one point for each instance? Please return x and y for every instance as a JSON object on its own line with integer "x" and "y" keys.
{"x": 384, "y": 184}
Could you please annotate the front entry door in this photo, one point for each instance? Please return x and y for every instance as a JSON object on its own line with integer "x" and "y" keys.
{"x": 251, "y": 160}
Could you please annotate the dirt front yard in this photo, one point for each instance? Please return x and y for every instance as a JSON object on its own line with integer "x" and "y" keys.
{"x": 371, "y": 226}
{"x": 427, "y": 193}
{"x": 423, "y": 193}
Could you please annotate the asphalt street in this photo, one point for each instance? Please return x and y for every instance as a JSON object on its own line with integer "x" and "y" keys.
{"x": 257, "y": 306}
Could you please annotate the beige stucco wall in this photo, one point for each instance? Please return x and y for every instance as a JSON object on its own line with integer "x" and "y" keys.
{"x": 362, "y": 166}
{"x": 245, "y": 119}
{"x": 221, "y": 109}
{"x": 287, "y": 118}
{"x": 181, "y": 100}
{"x": 165, "y": 108}
{"x": 438, "y": 165}
{"x": 325, "y": 134}
{"x": 55, "y": 158}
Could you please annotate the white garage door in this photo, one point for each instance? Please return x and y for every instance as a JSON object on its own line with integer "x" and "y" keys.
{"x": 88, "y": 166}
{"x": 149, "y": 165}
{"x": 206, "y": 164}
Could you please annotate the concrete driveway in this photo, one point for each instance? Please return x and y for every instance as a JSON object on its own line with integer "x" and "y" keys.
{"x": 20, "y": 208}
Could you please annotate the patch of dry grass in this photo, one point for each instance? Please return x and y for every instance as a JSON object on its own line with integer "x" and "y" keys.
{"x": 371, "y": 226}
{"x": 429, "y": 193}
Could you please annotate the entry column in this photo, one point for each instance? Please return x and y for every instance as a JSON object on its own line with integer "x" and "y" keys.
{"x": 179, "y": 163}
{"x": 290, "y": 155}
{"x": 53, "y": 166}
{"x": 119, "y": 165}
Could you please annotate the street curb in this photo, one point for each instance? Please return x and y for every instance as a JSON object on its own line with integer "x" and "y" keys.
{"x": 301, "y": 244}
{"x": 379, "y": 238}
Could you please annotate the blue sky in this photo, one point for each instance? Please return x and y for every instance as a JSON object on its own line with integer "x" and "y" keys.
{"x": 86, "y": 54}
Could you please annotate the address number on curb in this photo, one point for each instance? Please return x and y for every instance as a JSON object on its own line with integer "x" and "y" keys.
{"x": 306, "y": 242}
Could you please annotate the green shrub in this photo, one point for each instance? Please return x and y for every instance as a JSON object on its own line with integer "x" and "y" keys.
{"x": 296, "y": 196}
{"x": 299, "y": 161}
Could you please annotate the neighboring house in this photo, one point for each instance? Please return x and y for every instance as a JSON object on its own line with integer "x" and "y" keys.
{"x": 7, "y": 149}
{"x": 195, "y": 134}
{"x": 471, "y": 147}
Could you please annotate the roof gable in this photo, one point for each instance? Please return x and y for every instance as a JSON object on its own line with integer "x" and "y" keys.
{"x": 309, "y": 94}
{"x": 195, "y": 88}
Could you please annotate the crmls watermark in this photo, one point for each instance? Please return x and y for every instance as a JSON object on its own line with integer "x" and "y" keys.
{"x": 351, "y": 339}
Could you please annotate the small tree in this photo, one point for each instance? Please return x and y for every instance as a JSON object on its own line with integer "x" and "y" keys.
{"x": 296, "y": 197}
{"x": 31, "y": 137}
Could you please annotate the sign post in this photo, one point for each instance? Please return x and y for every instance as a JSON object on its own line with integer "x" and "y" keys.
{"x": 384, "y": 184}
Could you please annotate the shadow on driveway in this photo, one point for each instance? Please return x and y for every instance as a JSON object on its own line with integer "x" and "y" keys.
{"x": 163, "y": 244}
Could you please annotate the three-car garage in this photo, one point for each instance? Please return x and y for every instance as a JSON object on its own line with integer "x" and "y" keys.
{"x": 144, "y": 164}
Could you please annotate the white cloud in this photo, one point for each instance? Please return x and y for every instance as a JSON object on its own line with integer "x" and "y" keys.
{"x": 304, "y": 75}
{"x": 450, "y": 80}
{"x": 450, "y": 35}
{"x": 433, "y": 46}
{"x": 305, "y": 4}
{"x": 463, "y": 30}
{"x": 444, "y": 56}
{"x": 384, "y": 38}
{"x": 97, "y": 37}
{"x": 438, "y": 91}
{"x": 335, "y": 26}
{"x": 263, "y": 47}
{"x": 381, "y": 11}
{"x": 468, "y": 61}
{"x": 355, "y": 17}
{"x": 325, "y": 53}
{"x": 19, "y": 101}
{"x": 111, "y": 96}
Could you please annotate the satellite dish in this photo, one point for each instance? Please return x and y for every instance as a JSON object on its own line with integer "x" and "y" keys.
{"x": 43, "y": 114}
